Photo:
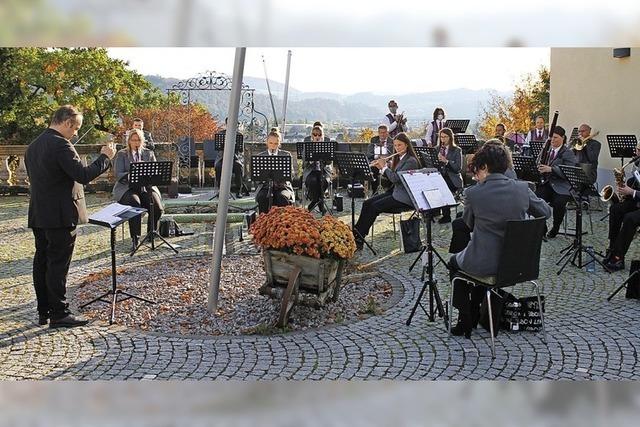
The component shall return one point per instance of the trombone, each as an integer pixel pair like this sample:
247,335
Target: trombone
578,143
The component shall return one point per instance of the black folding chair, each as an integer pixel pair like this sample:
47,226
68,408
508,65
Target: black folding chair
519,263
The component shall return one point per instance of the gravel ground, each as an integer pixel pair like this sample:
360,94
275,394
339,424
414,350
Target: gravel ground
181,288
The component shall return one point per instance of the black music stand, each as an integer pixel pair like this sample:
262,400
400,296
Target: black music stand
145,175
580,184
457,125
270,169
416,191
429,156
356,166
467,142
219,138
536,148
116,218
574,134
300,149
320,151
526,168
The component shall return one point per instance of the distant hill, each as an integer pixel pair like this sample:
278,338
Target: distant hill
361,108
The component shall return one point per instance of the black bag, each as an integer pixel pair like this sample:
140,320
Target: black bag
524,312
410,229
499,298
633,286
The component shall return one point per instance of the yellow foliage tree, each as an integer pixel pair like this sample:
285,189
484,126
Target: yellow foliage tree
366,134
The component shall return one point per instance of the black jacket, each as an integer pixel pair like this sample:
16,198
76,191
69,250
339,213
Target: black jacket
56,175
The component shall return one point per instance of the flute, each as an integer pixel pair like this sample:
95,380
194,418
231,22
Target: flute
386,159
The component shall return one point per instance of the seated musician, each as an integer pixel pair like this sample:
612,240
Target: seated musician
317,175
238,167
283,194
500,132
317,124
555,187
495,200
380,146
395,199
624,218
450,160
587,151
137,196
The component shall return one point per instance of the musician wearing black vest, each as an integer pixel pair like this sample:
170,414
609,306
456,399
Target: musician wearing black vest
56,207
555,188
434,127
396,122
282,192
538,133
380,146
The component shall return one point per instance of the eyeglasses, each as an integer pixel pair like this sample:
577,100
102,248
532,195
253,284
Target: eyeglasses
316,134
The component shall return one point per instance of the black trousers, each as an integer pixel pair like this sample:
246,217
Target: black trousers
466,297
446,211
142,199
236,179
460,236
374,206
375,172
54,249
557,201
281,197
624,219
316,184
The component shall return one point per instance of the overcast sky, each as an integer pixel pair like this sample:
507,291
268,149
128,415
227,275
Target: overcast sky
351,70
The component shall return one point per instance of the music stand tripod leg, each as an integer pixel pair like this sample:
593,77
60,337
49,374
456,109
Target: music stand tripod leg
623,285
353,220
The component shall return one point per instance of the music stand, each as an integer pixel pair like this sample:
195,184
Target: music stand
421,185
145,175
526,168
429,156
300,149
320,151
536,148
457,125
111,217
356,166
579,183
219,138
574,134
467,142
270,169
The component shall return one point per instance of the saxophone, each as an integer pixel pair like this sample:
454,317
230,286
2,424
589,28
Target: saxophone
608,194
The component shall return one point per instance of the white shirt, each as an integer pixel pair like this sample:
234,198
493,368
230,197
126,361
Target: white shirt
535,132
391,126
429,132
379,151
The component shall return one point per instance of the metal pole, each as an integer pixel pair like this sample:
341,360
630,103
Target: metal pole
286,95
225,182
273,107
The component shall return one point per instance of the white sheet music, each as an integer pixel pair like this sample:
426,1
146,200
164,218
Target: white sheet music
110,213
433,184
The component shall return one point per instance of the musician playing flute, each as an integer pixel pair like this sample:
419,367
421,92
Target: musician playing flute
555,188
394,200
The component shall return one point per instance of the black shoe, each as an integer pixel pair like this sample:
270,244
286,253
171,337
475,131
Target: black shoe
461,329
615,264
552,233
607,256
444,219
69,321
43,319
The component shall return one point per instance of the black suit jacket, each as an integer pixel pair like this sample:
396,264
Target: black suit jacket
588,158
375,142
56,175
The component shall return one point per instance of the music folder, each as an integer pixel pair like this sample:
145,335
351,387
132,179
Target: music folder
115,214
427,189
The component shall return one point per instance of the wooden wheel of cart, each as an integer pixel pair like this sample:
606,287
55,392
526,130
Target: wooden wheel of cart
289,297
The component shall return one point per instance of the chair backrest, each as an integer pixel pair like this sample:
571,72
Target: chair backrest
520,258
209,149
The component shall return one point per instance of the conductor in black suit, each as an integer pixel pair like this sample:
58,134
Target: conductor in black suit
56,207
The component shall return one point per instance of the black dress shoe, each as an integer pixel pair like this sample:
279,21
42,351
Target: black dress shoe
69,321
461,329
615,264
552,233
43,319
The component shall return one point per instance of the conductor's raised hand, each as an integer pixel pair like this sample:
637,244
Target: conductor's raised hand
108,150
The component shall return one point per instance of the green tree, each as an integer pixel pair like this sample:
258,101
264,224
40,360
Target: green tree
39,80
530,98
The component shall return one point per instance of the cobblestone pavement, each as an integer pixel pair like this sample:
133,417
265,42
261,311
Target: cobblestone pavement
588,337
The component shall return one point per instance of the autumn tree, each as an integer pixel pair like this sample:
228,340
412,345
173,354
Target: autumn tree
366,134
530,98
38,80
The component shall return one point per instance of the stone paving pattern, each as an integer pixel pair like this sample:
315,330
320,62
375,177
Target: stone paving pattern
588,337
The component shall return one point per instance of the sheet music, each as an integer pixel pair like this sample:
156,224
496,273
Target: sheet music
110,214
417,183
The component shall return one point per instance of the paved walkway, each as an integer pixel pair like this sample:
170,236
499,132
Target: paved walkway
588,337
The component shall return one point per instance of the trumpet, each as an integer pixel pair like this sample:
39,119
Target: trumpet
386,159
578,144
